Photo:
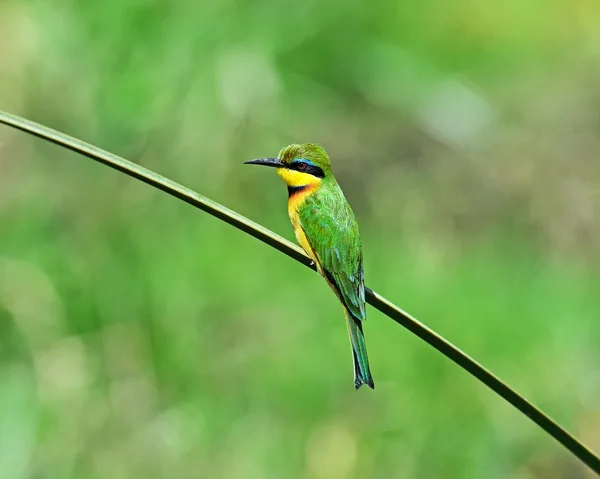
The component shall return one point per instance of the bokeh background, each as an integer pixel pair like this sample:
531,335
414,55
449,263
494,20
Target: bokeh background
140,337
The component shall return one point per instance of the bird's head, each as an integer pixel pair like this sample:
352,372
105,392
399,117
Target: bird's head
299,165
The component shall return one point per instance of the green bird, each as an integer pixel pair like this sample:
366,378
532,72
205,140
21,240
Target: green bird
326,229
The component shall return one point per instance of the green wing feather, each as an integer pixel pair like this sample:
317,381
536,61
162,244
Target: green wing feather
332,230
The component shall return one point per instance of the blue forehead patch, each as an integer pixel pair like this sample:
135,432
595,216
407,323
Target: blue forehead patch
304,160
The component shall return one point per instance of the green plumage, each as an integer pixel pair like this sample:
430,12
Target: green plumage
332,231
326,228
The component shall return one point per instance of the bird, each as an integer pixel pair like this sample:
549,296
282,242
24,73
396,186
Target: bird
327,230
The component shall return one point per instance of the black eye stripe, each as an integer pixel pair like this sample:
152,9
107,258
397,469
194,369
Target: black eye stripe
299,166
306,168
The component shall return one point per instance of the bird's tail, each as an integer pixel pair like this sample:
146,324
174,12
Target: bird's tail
362,372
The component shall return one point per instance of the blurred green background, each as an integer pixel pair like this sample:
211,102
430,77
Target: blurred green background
140,337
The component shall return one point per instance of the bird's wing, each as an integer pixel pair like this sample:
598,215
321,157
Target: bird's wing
332,231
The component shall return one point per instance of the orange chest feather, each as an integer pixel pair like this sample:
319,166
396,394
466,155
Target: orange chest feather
297,199
294,202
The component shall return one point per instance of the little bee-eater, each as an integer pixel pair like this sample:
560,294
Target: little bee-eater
327,230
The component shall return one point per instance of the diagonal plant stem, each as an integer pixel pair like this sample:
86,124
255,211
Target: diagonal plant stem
288,248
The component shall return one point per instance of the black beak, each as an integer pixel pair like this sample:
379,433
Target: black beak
274,162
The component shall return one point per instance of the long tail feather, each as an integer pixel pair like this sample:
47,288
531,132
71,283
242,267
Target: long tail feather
362,372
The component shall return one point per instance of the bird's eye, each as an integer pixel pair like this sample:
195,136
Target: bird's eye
302,166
